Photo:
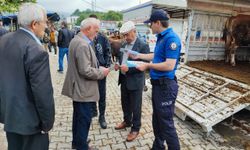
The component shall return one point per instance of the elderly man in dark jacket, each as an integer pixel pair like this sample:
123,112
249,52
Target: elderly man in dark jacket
131,81
26,94
103,55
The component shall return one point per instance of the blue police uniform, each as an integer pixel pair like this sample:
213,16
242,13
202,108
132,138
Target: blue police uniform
164,91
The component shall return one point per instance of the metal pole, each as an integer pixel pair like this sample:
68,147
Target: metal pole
190,23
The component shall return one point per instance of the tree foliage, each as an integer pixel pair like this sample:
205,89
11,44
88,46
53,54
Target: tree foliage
12,5
110,15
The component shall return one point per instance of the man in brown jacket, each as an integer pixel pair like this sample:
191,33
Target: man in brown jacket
81,82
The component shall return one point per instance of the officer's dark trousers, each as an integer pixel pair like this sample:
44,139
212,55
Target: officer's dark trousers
81,124
102,100
163,101
131,106
27,142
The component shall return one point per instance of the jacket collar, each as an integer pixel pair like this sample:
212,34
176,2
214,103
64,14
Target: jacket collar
85,38
30,34
136,42
165,32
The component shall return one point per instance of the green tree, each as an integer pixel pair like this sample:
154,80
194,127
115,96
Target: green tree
80,19
112,15
12,5
77,12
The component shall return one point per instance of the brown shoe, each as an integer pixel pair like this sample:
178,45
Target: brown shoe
132,135
122,125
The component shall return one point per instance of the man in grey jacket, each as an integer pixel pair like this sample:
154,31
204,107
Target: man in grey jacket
81,82
26,94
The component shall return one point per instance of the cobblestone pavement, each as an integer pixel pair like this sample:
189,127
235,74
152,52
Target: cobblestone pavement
190,134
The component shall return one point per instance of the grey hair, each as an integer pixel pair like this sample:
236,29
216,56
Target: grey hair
89,22
29,12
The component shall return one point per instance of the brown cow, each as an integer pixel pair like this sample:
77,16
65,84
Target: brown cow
115,42
235,34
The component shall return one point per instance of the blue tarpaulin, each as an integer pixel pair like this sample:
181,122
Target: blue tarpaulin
52,16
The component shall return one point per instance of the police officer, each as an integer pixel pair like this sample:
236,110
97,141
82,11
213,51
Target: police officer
163,80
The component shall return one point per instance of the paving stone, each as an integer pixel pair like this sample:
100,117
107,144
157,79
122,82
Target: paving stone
66,134
96,143
146,147
106,147
100,136
132,144
58,139
189,132
108,141
145,142
119,146
197,147
64,146
108,130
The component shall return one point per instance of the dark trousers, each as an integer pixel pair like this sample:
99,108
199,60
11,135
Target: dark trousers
131,107
81,124
54,46
62,52
27,142
163,101
102,100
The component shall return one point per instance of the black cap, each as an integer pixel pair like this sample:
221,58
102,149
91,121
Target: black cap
158,14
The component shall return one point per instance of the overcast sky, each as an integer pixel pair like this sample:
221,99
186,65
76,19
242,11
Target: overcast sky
69,6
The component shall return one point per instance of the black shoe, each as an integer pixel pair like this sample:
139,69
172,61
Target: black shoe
103,123
73,146
59,70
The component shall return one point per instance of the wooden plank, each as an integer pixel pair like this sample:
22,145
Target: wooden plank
211,104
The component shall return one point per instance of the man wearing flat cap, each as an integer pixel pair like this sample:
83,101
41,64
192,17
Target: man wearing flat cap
164,83
132,82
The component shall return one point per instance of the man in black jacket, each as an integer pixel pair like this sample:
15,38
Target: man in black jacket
103,55
132,82
64,38
26,94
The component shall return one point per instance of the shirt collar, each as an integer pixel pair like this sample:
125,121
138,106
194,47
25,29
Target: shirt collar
32,34
133,42
164,32
87,39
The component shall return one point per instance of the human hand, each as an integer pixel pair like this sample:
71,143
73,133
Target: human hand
142,66
116,67
124,68
105,70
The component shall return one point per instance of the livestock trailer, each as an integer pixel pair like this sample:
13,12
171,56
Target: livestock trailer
205,97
